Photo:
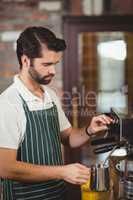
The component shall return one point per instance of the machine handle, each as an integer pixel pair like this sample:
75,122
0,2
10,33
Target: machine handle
103,140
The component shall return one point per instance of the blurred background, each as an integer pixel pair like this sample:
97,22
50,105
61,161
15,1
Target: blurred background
96,71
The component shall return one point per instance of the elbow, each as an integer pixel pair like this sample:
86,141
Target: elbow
3,173
72,144
6,172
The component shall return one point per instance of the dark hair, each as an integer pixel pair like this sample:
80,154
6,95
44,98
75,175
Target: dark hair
32,39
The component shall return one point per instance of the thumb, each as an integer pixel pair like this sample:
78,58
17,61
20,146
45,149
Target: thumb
102,128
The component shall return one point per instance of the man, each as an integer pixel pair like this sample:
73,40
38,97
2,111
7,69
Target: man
33,125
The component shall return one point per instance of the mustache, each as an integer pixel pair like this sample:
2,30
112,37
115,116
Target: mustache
48,76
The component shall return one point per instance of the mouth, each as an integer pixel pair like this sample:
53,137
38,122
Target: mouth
48,77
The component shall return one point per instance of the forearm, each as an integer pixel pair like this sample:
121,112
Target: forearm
78,137
25,172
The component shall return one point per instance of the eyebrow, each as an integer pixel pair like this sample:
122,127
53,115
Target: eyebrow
50,63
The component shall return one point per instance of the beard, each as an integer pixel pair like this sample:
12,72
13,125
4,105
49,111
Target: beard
44,80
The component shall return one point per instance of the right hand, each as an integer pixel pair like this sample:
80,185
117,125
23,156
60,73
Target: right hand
76,173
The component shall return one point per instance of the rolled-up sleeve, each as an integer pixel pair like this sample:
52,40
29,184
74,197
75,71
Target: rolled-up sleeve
63,121
9,128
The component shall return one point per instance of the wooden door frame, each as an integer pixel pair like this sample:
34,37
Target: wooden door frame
72,26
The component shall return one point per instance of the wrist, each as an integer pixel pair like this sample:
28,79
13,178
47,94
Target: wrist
89,132
60,172
55,172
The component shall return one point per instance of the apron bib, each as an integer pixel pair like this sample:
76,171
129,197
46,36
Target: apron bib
41,145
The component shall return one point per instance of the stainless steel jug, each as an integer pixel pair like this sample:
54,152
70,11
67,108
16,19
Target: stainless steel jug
100,180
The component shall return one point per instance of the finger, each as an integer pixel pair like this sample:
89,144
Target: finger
110,119
106,119
82,166
103,119
84,176
81,181
73,182
85,172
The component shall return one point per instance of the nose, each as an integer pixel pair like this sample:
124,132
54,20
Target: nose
51,69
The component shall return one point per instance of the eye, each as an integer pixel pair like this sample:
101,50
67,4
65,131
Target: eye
47,64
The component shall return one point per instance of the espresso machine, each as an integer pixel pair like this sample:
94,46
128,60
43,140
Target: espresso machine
118,141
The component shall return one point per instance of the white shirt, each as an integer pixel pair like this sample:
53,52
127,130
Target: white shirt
12,114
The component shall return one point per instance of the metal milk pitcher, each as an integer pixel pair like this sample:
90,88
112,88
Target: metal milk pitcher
100,180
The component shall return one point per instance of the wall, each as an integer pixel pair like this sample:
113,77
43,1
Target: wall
17,15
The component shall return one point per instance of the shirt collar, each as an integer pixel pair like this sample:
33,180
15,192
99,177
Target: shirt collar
24,91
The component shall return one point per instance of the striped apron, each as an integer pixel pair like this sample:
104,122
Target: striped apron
41,146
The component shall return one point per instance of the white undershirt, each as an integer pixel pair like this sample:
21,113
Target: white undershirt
12,115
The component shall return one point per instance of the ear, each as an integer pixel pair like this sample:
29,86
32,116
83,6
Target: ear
25,61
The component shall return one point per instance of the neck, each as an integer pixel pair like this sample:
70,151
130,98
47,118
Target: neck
33,86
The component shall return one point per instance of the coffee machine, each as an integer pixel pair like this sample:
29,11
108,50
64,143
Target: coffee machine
118,141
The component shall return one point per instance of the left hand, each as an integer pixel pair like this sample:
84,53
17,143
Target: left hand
99,123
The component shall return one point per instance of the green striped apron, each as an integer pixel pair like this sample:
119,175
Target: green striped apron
42,146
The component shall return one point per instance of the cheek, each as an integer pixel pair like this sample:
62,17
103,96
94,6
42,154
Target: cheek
40,69
43,72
